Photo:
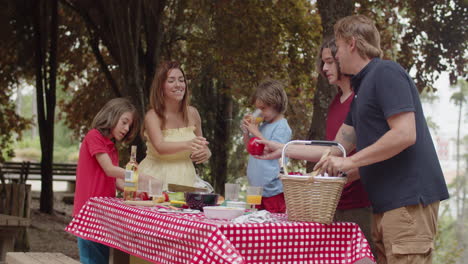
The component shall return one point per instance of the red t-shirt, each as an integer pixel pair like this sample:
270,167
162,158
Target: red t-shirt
91,180
354,195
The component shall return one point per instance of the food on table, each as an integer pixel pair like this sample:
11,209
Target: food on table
131,177
196,200
158,199
177,204
178,196
295,173
143,196
255,148
166,197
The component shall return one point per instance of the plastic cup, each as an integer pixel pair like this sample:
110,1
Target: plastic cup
254,195
155,187
231,191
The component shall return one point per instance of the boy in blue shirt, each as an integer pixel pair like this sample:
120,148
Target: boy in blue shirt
272,100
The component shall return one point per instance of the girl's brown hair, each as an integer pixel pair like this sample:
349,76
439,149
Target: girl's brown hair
328,43
271,92
364,32
157,92
108,117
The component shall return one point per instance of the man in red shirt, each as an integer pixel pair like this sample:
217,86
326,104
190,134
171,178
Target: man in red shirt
354,205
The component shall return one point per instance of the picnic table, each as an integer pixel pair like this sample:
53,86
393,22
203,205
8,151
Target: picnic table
191,238
9,227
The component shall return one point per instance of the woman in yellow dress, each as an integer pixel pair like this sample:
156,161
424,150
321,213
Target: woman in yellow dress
173,130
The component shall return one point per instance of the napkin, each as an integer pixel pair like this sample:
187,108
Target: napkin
262,216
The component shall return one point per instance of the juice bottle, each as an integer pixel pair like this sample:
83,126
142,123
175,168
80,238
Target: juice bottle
131,176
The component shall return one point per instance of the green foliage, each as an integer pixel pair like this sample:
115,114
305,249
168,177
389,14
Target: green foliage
448,248
424,36
64,151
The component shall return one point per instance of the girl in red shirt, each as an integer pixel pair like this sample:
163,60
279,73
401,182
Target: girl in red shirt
98,172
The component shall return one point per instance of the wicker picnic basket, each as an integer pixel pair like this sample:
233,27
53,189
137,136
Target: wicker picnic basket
311,198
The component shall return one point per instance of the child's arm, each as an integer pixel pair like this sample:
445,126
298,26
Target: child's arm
120,184
110,169
153,129
115,171
251,127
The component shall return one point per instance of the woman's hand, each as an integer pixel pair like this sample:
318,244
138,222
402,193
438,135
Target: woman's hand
197,143
271,151
200,150
201,155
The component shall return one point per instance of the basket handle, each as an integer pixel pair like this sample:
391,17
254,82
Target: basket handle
308,142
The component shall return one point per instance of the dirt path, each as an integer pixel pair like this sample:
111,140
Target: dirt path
47,234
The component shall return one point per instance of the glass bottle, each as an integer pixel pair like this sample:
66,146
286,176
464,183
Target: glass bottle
131,176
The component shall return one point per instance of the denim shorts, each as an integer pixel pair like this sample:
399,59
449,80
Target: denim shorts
93,252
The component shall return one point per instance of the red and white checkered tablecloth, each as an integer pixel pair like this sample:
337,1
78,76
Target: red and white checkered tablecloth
192,238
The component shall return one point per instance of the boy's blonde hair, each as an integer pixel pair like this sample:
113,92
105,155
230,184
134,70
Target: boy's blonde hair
271,92
108,117
364,32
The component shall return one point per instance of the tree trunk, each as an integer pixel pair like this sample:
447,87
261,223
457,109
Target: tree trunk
330,12
46,69
221,141
214,102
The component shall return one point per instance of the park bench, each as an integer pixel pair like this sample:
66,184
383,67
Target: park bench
22,171
38,257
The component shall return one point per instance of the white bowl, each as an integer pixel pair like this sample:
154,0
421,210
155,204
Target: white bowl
237,204
222,212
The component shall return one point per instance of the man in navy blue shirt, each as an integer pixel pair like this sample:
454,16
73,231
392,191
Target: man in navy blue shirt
395,155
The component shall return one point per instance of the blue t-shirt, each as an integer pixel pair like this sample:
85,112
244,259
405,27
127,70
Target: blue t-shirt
265,172
383,89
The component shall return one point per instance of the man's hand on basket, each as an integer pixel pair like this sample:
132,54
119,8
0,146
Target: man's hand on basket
271,151
334,166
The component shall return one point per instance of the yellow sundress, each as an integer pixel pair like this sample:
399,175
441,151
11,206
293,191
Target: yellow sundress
174,168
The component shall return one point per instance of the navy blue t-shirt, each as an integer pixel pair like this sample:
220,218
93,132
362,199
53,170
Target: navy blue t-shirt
383,88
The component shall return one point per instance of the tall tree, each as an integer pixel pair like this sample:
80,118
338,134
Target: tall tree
45,27
330,12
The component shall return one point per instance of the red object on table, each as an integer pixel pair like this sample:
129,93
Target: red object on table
192,238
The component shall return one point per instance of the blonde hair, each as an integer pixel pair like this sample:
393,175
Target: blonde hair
109,115
157,102
364,32
271,92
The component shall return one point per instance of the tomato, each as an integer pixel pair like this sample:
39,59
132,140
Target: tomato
143,196
255,148
295,173
166,197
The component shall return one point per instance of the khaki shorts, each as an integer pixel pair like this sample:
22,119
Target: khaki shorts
406,234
